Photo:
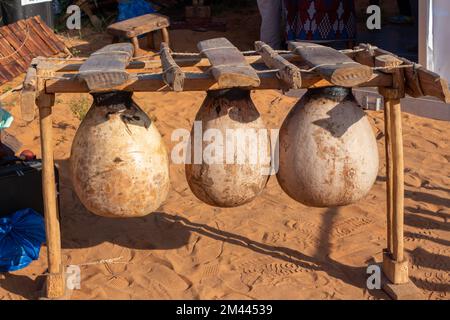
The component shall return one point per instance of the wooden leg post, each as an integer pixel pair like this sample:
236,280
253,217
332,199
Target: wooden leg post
389,172
55,284
135,42
165,36
395,264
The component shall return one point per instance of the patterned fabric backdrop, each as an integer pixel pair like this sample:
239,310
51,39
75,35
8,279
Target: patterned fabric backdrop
320,20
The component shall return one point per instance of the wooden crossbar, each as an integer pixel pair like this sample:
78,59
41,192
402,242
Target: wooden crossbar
155,82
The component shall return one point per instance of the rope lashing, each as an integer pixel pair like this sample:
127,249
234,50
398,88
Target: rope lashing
414,65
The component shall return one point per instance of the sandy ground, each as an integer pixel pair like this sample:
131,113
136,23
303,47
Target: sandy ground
272,248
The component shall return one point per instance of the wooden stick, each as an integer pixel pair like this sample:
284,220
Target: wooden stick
165,36
398,181
173,76
135,42
28,95
397,91
201,82
389,172
395,265
287,72
55,285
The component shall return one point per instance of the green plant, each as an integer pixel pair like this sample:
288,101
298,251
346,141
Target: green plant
6,89
75,52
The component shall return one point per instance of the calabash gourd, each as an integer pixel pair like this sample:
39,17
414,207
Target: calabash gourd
328,151
237,177
119,164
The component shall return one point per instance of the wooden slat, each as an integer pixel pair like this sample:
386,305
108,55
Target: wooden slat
17,46
333,65
287,72
39,32
419,82
21,35
172,74
140,25
31,42
7,58
4,74
44,49
22,41
51,36
105,68
229,66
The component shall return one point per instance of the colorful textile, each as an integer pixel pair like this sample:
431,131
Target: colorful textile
320,20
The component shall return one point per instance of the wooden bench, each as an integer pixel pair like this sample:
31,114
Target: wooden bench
147,24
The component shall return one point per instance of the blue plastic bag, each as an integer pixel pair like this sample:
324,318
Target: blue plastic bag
21,236
133,8
5,119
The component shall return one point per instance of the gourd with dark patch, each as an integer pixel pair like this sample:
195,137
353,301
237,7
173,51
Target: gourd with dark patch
228,184
119,164
328,151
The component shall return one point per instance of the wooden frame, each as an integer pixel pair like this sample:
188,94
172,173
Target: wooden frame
392,75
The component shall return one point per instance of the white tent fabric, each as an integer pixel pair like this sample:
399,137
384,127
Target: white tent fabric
438,37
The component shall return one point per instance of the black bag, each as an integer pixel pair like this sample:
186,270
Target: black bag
13,10
21,185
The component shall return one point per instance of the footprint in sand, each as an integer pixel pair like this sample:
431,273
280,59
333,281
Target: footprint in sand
118,283
236,296
168,278
210,270
267,271
232,279
413,179
156,290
